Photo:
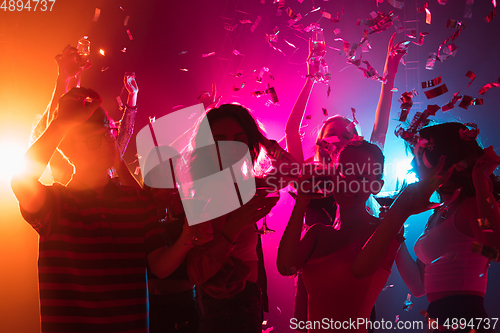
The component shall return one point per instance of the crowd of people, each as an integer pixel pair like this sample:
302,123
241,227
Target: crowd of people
118,254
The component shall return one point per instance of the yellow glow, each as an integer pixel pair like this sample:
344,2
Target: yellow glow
101,51
12,159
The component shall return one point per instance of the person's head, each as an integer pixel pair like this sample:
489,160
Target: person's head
446,140
361,167
228,122
92,145
336,126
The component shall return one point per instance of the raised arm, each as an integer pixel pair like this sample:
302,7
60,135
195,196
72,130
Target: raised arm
292,128
126,127
72,111
381,123
413,200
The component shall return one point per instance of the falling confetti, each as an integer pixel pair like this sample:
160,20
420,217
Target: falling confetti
431,83
101,52
255,24
471,76
408,304
184,69
97,13
129,35
204,55
125,21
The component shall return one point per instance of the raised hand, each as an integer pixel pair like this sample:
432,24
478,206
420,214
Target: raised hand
313,59
70,64
130,83
415,197
394,55
208,99
77,105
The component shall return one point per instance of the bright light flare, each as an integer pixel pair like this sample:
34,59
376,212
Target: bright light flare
101,51
12,160
402,173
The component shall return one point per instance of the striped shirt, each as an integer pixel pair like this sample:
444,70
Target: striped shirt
92,258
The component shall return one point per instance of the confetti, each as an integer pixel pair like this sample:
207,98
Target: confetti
428,16
184,69
442,2
124,50
97,13
260,76
101,52
183,52
255,24
245,21
379,22
294,18
354,120
397,318
177,107
468,101
491,15
468,8
336,31
237,53
431,60
328,91
447,256
370,72
396,4
438,91
119,101
421,36
488,86
279,310
325,112
129,35
408,304
471,76
431,83
238,74
394,89
237,89
308,116
267,330
104,69
406,101
422,9
204,55
387,287
137,170
125,21
489,252
290,44
455,24
451,104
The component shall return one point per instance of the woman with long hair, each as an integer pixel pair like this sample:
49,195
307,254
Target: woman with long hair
229,270
328,257
340,130
447,270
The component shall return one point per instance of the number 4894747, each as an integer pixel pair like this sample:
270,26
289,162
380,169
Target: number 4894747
20,5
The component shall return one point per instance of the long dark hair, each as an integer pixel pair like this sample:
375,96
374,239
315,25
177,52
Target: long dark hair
253,129
447,139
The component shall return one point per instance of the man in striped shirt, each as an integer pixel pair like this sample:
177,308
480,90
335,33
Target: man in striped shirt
96,237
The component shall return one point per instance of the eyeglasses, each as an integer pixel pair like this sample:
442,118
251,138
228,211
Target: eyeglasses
94,141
